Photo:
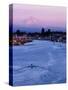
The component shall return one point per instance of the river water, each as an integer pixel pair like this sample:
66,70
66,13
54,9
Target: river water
39,62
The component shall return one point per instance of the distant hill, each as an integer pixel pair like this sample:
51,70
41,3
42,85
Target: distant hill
38,29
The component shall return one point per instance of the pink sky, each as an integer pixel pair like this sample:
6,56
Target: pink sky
33,15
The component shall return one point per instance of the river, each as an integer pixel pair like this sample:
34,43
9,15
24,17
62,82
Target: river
39,62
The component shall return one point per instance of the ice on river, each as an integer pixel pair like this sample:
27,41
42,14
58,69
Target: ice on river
39,62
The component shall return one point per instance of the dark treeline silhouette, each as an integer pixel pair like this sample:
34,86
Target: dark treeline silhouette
43,35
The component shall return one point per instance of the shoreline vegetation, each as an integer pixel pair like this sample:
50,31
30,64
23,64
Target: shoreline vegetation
19,38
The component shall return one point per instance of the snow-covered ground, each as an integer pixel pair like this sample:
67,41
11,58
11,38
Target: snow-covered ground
39,62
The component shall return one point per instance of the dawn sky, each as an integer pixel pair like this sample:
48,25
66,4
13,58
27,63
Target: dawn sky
38,16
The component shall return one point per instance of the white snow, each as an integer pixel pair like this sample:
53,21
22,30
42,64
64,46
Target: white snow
48,61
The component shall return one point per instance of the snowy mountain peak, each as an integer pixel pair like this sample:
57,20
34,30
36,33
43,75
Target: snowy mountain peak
31,21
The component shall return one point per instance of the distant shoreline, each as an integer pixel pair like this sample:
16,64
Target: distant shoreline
19,38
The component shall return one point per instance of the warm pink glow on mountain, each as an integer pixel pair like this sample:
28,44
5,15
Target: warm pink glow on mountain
30,21
33,15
